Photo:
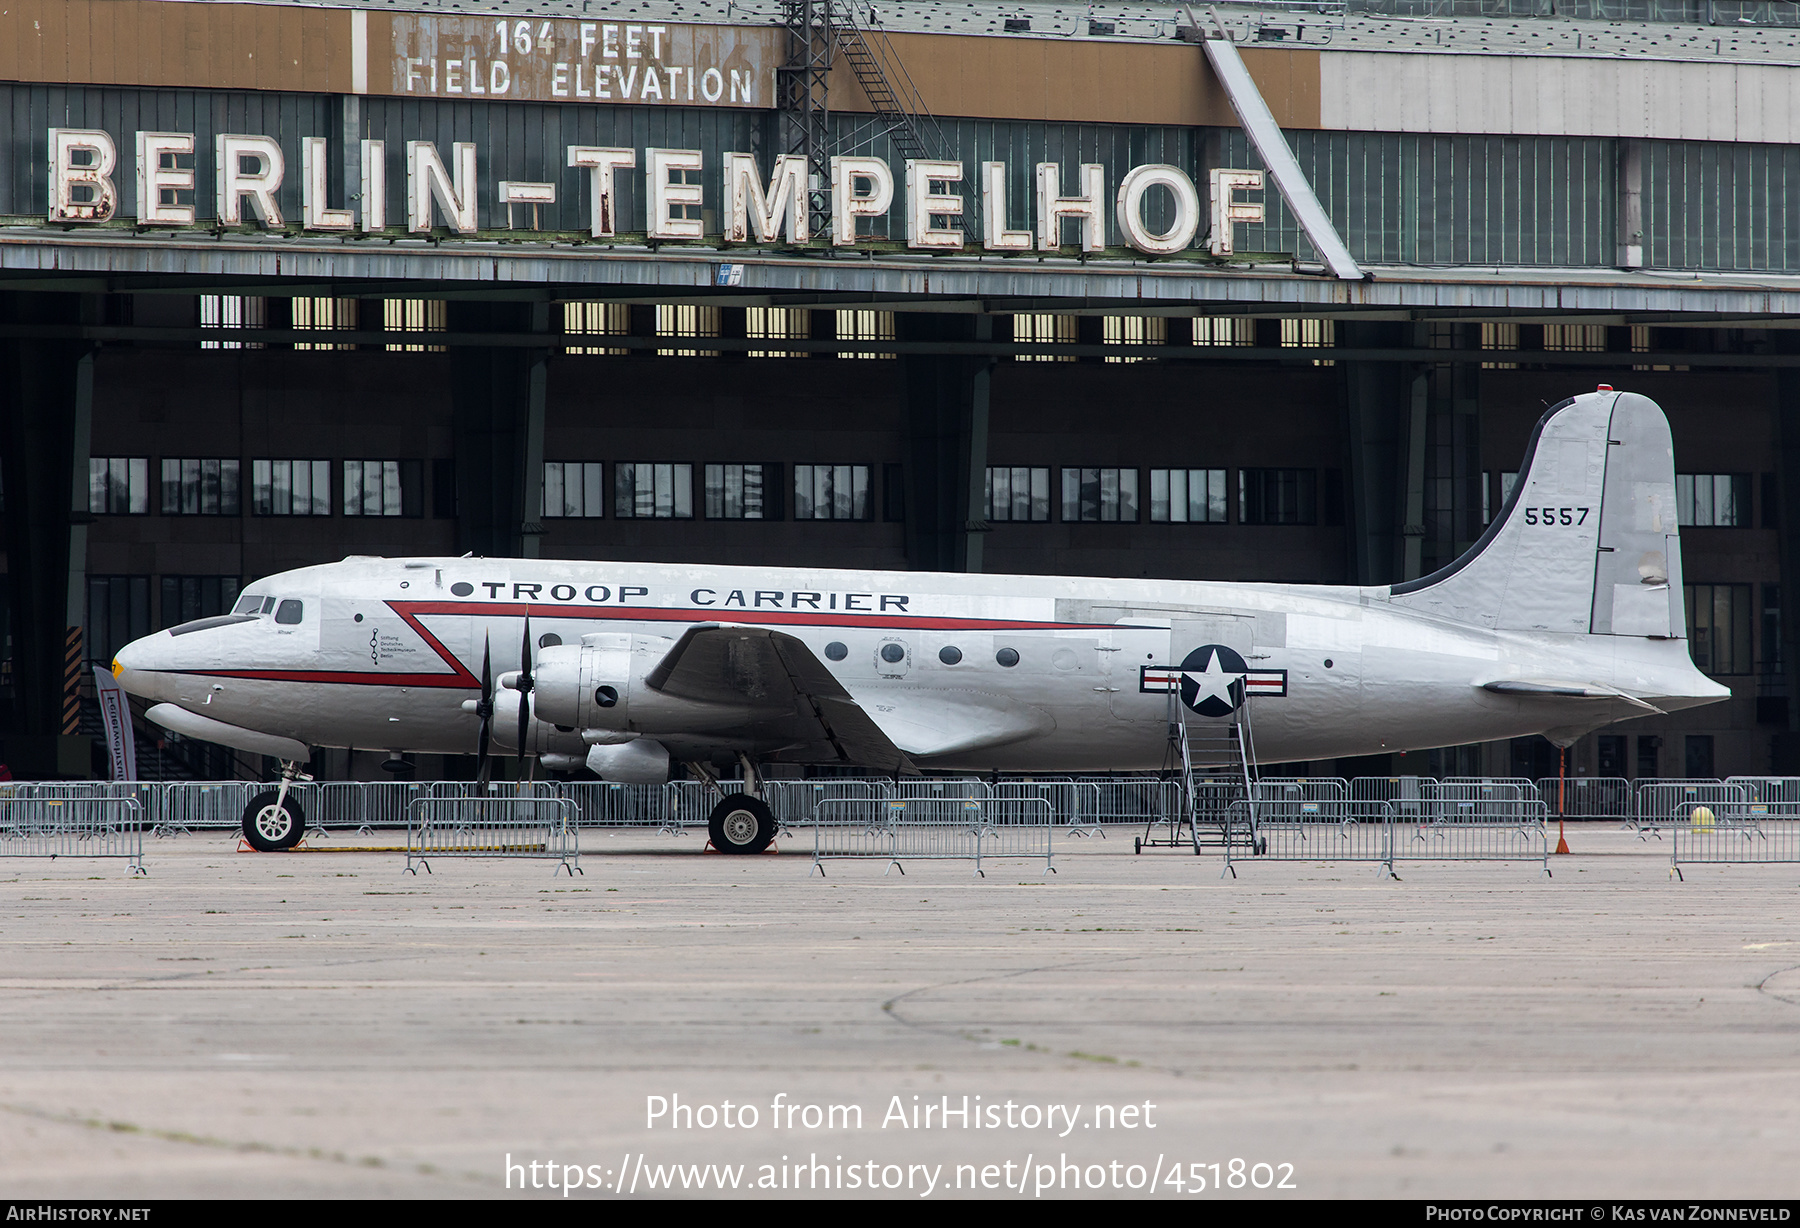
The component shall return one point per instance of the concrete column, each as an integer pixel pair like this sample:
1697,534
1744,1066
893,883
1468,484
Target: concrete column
498,398
42,407
1376,421
947,429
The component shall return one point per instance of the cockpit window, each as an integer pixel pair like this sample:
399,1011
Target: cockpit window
268,604
288,612
247,605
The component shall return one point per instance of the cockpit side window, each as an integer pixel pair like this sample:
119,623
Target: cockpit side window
288,612
268,604
247,605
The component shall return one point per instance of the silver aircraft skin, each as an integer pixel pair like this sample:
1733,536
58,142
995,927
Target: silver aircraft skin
1565,617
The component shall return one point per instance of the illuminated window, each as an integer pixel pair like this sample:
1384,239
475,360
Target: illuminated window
832,492
572,490
1019,493
415,315
596,319
200,487
865,326
233,311
324,313
1310,334
1585,338
384,488
1224,330
1713,500
1042,328
290,487
1103,496
675,320
649,491
1500,337
1133,330
1188,496
777,324
119,485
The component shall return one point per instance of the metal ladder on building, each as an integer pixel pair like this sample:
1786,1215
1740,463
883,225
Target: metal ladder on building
1214,763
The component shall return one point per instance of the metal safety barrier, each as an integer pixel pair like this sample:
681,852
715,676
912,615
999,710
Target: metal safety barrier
1663,804
44,823
1348,829
1751,838
1320,828
902,829
524,826
1588,797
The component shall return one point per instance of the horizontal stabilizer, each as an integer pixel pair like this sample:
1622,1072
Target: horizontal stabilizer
1566,690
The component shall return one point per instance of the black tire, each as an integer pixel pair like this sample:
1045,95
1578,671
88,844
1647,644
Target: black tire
741,824
270,828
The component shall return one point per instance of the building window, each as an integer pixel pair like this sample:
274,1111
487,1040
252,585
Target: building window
324,313
1133,330
1277,496
415,315
199,487
1500,337
1188,496
119,485
596,319
290,487
865,326
777,324
1224,330
232,311
1715,500
118,611
1718,619
1310,334
1019,493
653,491
1099,496
675,320
1581,338
384,488
572,490
185,598
1044,329
1496,489
832,492
742,492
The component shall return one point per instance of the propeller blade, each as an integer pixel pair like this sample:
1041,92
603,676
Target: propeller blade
524,693
485,710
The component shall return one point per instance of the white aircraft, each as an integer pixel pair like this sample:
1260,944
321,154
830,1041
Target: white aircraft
1567,615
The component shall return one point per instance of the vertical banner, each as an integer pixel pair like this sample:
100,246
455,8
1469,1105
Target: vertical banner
115,711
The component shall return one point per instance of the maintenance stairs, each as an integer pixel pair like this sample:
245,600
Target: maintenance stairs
1214,763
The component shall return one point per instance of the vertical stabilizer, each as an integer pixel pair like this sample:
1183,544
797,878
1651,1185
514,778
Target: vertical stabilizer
1586,542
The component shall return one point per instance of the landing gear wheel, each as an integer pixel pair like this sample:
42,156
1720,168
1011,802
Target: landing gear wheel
273,828
741,824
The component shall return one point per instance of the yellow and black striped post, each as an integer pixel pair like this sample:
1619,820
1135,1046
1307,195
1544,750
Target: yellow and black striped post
71,709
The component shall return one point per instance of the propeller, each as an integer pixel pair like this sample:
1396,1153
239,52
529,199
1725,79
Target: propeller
484,708
524,688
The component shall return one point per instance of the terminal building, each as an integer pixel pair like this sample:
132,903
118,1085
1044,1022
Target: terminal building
1267,292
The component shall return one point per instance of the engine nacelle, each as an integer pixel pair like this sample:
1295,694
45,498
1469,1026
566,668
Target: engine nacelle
642,762
592,685
541,737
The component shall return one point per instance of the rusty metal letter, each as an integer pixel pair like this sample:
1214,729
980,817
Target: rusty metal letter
94,178
603,209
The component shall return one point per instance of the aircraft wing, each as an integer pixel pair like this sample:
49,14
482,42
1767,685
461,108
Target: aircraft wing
717,663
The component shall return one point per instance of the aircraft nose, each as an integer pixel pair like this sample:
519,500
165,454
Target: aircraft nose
135,667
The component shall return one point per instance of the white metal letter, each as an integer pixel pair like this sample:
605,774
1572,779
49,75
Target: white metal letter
1131,202
1226,212
847,204
1089,208
995,237
66,178
663,195
153,179
603,210
374,185
922,203
426,178
313,211
748,207
234,183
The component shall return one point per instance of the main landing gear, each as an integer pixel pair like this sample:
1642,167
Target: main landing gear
742,822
